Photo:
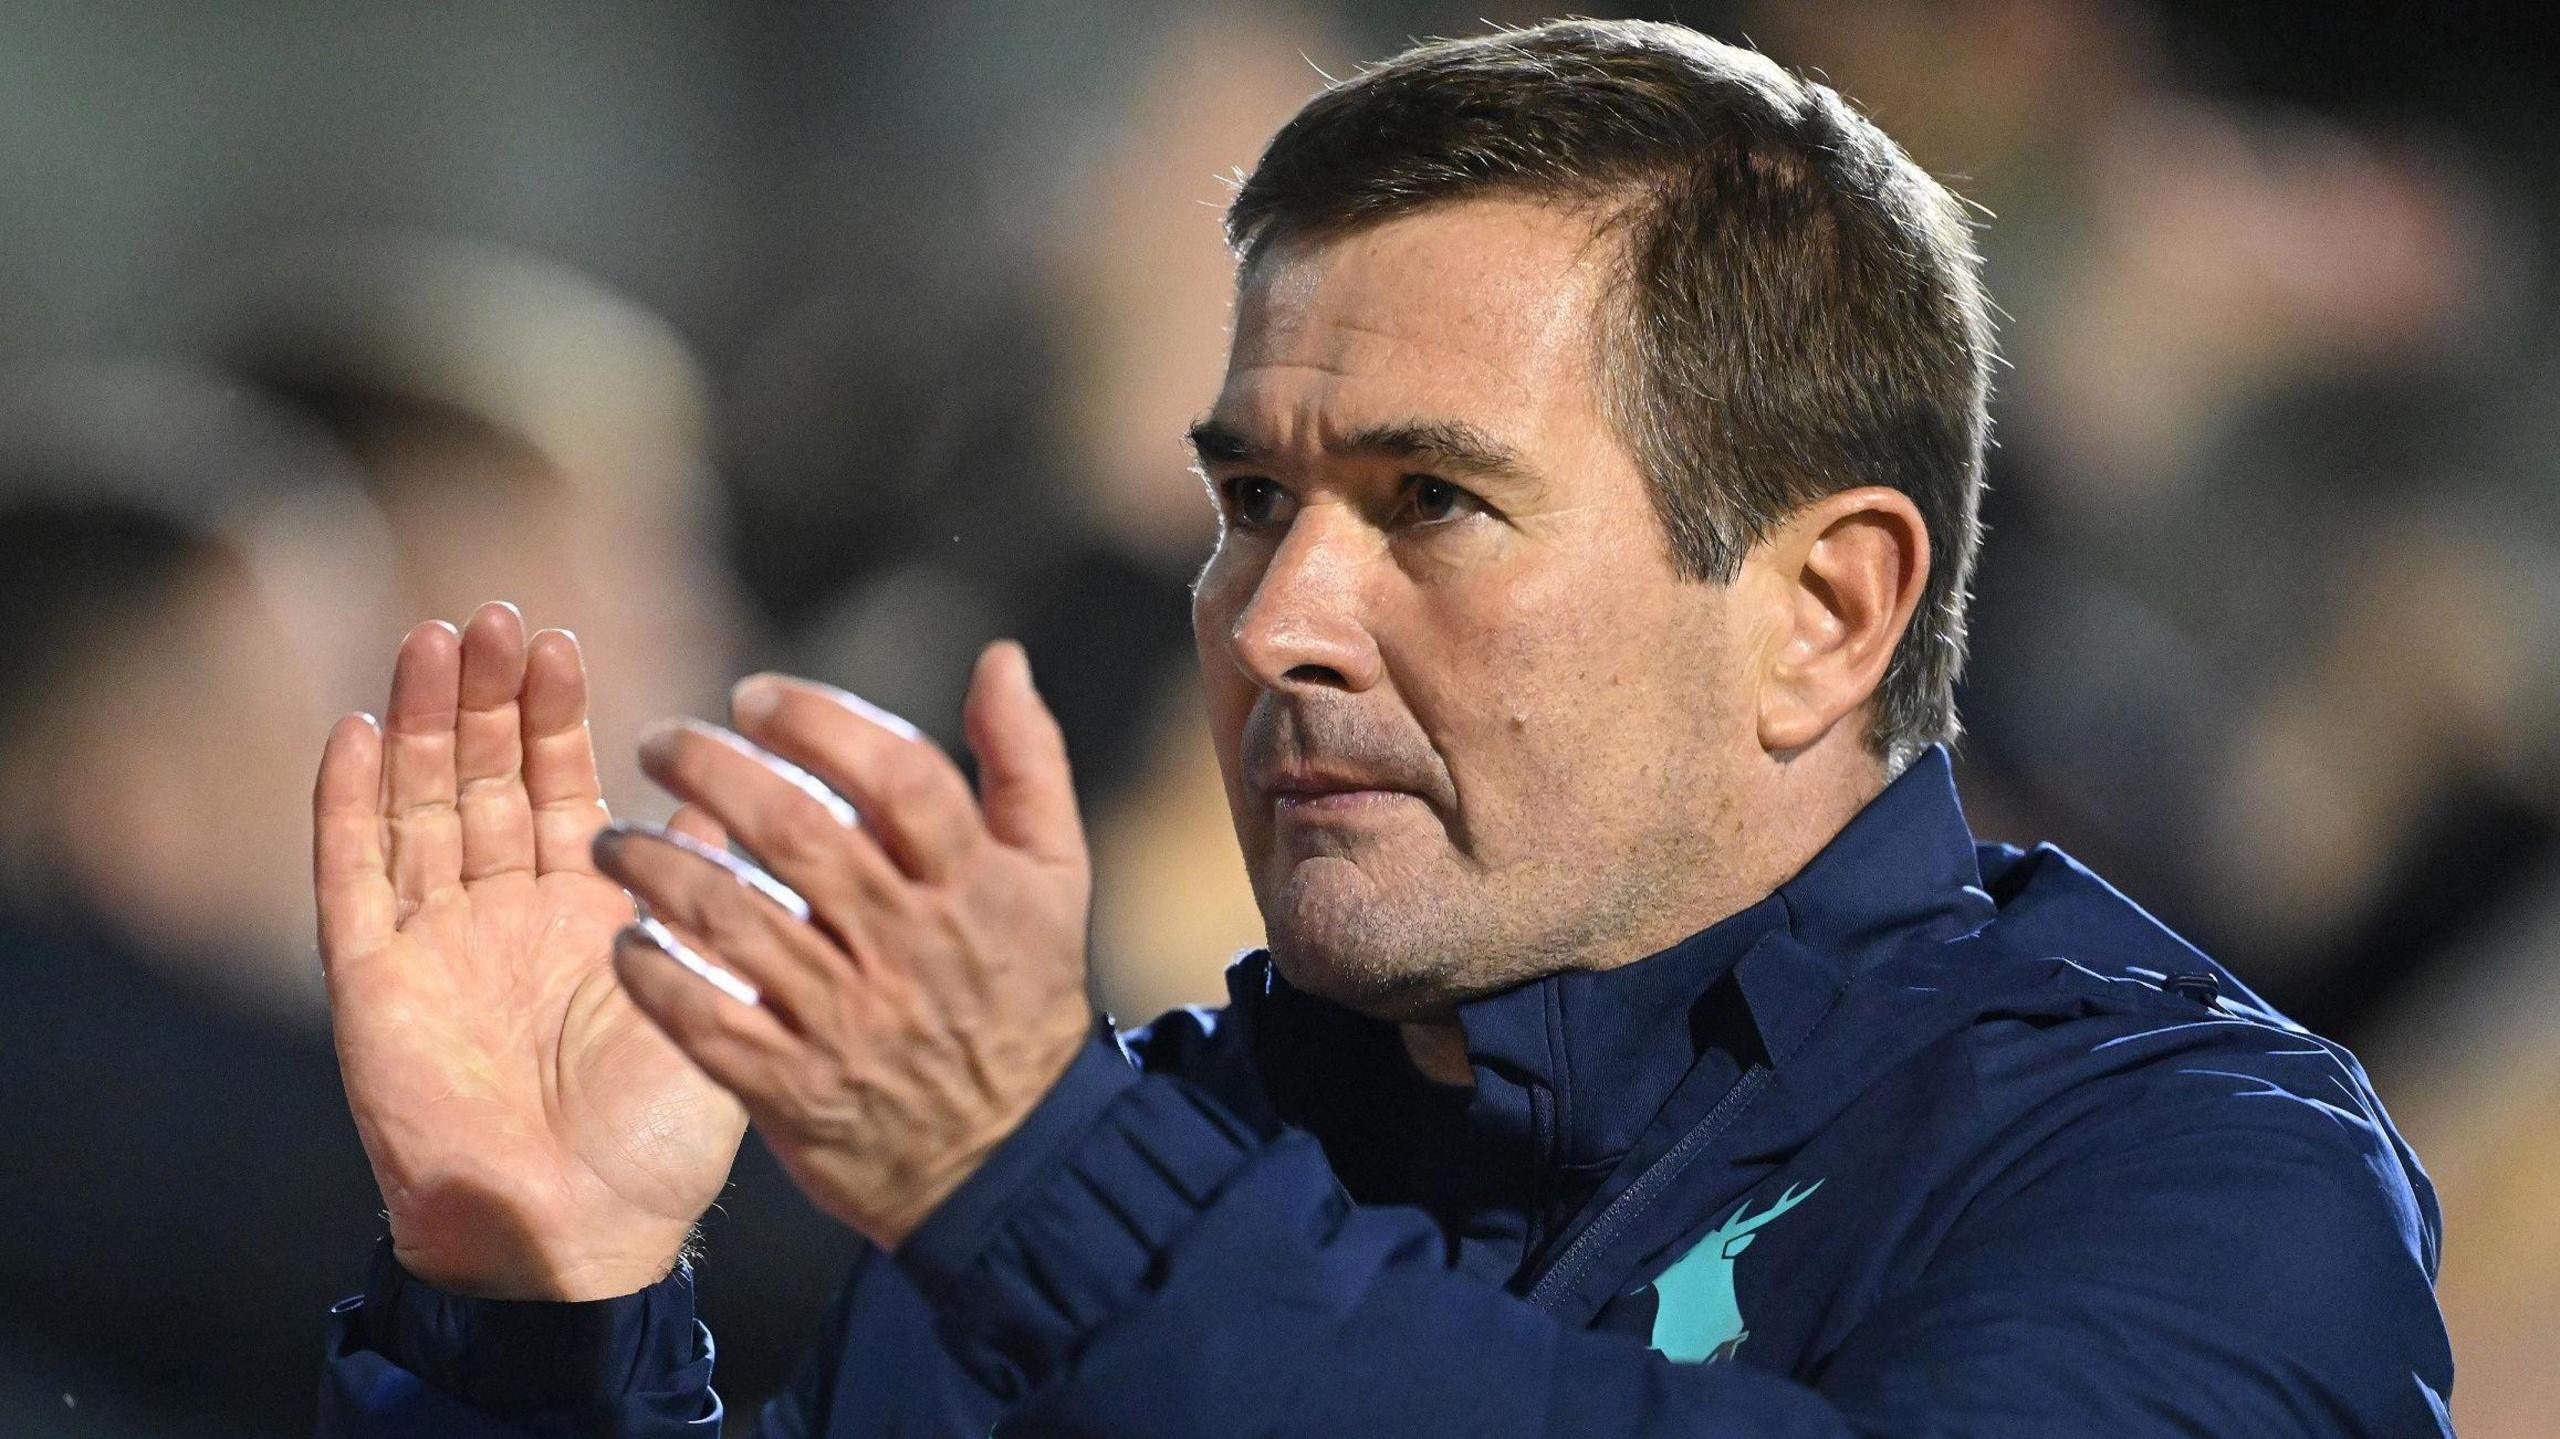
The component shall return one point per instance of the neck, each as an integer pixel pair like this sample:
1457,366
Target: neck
1798,807
1438,1049
1766,824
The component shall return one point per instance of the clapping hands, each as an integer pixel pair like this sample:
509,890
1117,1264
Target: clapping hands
917,973
549,1094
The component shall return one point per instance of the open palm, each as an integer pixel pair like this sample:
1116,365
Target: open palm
534,1135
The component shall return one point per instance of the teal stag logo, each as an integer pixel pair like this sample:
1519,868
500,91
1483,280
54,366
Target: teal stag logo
1697,1319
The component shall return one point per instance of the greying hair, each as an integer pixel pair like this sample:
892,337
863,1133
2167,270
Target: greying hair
1799,309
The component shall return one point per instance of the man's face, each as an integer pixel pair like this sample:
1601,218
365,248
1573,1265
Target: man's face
1473,724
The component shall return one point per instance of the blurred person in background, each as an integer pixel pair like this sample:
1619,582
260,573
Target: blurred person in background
2261,354
525,430
188,573
2474,1054
985,439
2475,1070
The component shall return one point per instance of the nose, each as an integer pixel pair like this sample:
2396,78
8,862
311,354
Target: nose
1305,623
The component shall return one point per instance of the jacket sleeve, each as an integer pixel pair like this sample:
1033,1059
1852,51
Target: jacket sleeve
406,1359
1174,1273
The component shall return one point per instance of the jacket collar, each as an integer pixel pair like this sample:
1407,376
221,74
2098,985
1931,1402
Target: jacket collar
1572,1069
1610,1045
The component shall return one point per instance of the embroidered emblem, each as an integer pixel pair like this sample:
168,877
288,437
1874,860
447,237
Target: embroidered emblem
1697,1319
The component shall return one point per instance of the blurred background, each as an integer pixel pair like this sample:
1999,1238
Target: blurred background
842,338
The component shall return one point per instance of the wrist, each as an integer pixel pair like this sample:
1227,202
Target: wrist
1094,1075
492,1264
963,1163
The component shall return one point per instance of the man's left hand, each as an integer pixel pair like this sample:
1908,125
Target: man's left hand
915,985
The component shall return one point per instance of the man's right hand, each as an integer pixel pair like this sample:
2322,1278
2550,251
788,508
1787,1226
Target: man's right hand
534,1135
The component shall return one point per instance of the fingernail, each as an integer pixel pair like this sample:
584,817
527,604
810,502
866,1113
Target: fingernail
658,738
754,699
606,847
892,723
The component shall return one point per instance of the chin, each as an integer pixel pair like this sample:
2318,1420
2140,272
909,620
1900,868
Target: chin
1335,936
1358,984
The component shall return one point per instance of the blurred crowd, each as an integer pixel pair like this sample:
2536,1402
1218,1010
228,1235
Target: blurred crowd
843,339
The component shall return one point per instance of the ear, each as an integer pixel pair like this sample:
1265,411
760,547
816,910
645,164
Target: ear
1842,577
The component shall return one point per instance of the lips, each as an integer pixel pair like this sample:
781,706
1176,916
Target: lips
1317,784
1312,759
1310,794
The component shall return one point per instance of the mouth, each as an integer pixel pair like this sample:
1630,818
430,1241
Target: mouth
1311,794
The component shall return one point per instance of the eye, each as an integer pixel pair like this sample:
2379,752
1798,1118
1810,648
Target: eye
1251,500
1430,500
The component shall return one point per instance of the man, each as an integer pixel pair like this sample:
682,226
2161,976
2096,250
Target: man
159,524
1643,1047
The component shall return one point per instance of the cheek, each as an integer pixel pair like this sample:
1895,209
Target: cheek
1493,677
1561,706
1524,656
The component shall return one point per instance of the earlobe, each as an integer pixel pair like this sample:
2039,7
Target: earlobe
1848,572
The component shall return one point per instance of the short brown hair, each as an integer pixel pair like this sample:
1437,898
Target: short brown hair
1800,311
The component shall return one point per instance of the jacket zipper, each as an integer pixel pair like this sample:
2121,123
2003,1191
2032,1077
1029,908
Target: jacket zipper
1542,1189
1566,1273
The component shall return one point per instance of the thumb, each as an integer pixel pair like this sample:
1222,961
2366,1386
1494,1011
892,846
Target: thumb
1023,782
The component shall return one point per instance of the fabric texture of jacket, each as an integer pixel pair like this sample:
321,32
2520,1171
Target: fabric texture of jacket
1937,1139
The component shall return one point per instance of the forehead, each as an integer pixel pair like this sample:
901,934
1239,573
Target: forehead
1481,310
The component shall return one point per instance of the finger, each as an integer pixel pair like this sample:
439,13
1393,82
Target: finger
748,924
910,795
349,876
497,818
696,824
560,755
799,831
426,830
1024,785
733,1039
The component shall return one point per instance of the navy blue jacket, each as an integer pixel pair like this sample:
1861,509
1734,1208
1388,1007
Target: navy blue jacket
1936,1139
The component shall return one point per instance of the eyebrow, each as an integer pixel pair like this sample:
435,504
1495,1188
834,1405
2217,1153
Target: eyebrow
1453,445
